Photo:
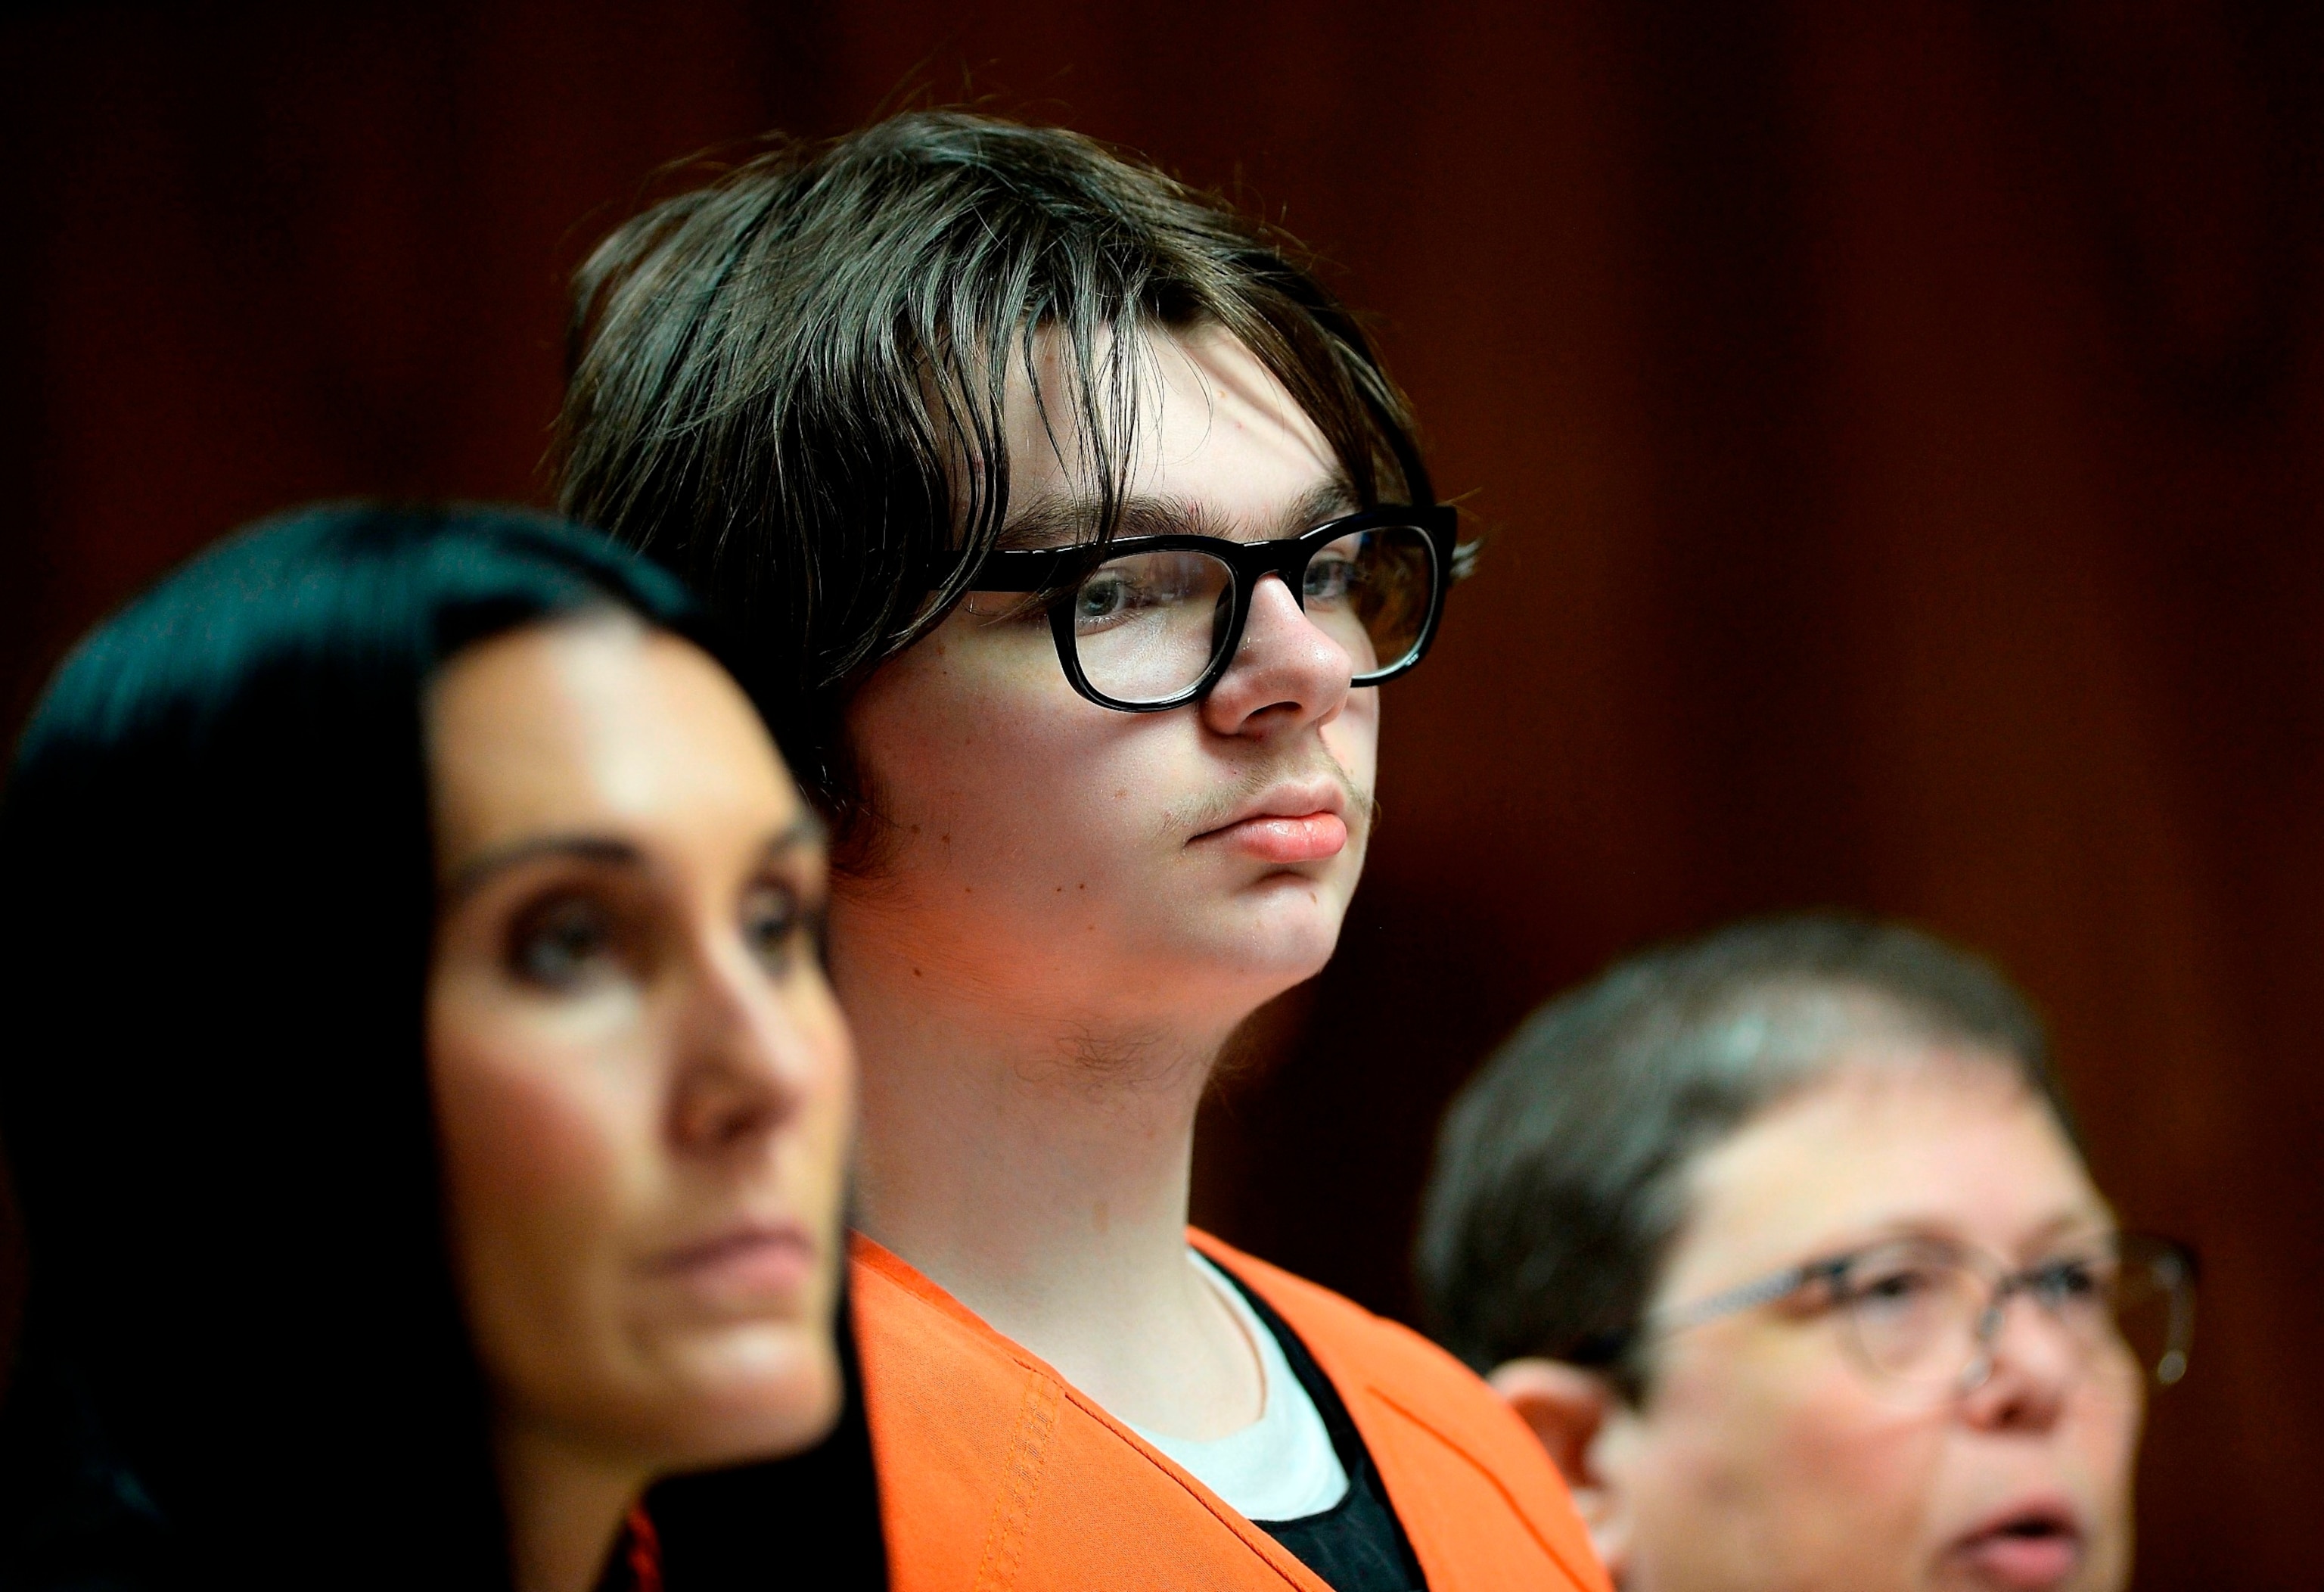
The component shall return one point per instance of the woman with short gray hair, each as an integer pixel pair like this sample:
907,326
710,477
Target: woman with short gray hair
1782,1241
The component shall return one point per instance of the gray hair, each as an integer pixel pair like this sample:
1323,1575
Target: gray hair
1560,1178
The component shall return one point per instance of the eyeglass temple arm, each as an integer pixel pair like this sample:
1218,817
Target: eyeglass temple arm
1605,1348
1768,1290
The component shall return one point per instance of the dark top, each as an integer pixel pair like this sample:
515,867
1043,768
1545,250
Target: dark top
1357,1545
73,1517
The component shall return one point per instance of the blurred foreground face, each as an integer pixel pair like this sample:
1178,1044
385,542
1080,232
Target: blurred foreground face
643,1082
1766,1456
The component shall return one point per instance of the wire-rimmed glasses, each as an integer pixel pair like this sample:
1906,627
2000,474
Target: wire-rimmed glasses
1928,1315
1145,624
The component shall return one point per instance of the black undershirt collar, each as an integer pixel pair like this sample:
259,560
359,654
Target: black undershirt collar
1357,1545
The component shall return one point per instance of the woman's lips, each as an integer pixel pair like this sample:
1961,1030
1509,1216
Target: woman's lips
2032,1553
750,1264
1275,838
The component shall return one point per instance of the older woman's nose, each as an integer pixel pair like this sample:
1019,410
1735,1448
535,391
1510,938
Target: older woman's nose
2030,1361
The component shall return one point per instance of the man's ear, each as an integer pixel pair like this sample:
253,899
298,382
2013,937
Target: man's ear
1569,1410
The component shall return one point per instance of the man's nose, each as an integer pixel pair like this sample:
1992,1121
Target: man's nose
1287,673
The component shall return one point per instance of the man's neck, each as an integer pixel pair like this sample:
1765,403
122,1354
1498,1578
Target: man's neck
1036,1167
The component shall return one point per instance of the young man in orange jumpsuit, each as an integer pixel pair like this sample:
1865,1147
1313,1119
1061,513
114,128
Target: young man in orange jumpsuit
1075,528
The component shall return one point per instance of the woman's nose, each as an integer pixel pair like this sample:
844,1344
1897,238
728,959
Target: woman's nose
738,1070
2027,1361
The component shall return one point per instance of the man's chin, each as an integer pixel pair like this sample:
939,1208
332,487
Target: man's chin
1211,952
1285,928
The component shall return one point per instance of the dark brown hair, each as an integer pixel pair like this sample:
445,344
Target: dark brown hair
787,385
1561,1171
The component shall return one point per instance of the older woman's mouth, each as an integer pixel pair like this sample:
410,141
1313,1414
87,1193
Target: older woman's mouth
2027,1548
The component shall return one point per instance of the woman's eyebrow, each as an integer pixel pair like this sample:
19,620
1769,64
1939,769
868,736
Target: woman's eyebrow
598,850
1937,1227
803,832
605,851
2086,1223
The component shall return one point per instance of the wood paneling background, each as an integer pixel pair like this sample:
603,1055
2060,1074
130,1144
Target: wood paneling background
1899,428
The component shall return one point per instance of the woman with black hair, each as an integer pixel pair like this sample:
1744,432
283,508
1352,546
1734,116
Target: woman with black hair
425,1102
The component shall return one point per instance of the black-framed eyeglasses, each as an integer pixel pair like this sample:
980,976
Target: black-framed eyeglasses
1145,624
1928,1315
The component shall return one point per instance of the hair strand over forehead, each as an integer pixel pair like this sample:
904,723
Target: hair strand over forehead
788,383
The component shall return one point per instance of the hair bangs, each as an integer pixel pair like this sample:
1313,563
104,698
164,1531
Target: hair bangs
791,385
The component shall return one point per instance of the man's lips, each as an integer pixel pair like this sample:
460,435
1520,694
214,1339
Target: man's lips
1307,838
2027,1548
1294,822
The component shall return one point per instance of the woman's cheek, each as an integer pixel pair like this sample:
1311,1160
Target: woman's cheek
1786,1455
533,1173
1866,1473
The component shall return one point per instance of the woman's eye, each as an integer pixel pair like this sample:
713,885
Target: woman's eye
562,944
1895,1285
2064,1282
1889,1288
777,926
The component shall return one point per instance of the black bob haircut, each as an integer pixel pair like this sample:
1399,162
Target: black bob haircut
787,385
1560,1179
243,1361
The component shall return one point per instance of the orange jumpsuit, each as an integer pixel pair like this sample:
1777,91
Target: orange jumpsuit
996,1475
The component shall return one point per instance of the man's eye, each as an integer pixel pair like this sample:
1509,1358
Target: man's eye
562,944
1331,579
1100,597
778,926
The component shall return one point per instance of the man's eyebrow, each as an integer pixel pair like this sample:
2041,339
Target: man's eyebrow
1061,521
1056,521
1326,500
1064,520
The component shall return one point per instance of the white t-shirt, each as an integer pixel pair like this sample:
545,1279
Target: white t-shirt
1282,1466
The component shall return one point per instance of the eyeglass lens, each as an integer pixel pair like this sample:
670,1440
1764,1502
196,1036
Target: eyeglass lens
1918,1315
1147,627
